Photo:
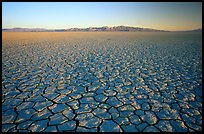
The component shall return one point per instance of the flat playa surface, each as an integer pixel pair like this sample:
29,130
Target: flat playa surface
101,81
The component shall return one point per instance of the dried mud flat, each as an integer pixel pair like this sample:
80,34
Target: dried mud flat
101,82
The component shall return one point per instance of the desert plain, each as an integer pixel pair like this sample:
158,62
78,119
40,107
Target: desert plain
101,82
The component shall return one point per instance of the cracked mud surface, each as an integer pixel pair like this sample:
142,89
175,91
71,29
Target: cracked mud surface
101,82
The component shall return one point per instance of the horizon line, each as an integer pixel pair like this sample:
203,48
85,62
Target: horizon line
199,28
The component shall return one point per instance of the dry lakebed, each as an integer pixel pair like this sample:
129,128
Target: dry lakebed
101,82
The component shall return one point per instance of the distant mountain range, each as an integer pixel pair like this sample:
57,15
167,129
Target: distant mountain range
105,28
195,30
116,28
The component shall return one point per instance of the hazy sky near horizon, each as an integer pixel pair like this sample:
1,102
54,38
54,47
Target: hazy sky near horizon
55,15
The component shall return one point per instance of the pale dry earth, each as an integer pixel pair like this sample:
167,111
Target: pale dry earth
101,82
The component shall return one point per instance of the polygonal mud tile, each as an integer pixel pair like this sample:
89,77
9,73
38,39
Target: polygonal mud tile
101,89
63,91
37,98
136,105
82,129
7,107
122,121
51,129
50,90
165,126
100,98
129,128
6,127
68,113
174,114
124,100
70,125
114,113
126,108
126,114
101,113
141,126
58,107
190,121
21,130
196,104
175,106
113,101
163,114
25,105
44,114
24,125
190,111
62,99
39,106
145,106
134,119
94,104
109,92
149,117
10,86
57,119
51,96
110,126
8,116
23,95
74,104
12,94
13,130
93,122
25,115
179,126
38,126
93,88
37,91
75,95
12,102
83,109
80,89
86,100
84,116
151,129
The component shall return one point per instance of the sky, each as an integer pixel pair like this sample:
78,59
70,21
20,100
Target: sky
59,15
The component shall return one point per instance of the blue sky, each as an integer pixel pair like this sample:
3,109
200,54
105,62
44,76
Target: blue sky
54,15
